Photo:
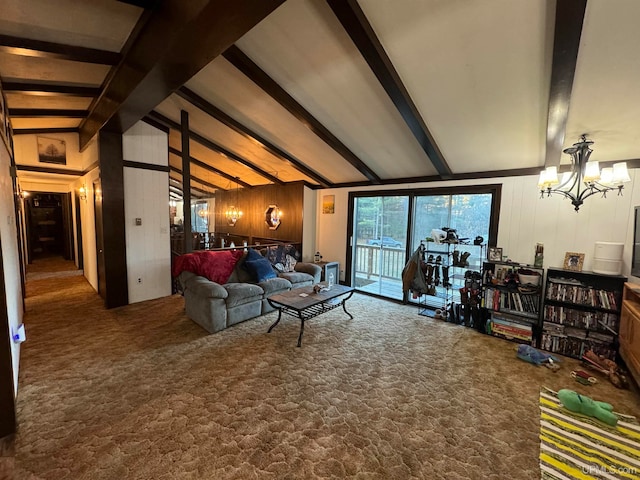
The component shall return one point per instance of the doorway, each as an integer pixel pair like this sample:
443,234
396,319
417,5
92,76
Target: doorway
48,222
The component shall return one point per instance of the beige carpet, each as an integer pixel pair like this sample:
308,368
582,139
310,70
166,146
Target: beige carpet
141,392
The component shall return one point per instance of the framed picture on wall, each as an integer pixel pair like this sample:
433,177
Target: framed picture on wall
573,261
52,150
328,204
494,254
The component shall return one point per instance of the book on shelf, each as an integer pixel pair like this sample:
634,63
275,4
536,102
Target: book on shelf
574,342
581,295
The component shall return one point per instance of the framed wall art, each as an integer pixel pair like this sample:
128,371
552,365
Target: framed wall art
573,261
328,204
52,150
494,254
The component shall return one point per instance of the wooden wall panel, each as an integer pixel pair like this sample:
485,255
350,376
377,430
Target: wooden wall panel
253,202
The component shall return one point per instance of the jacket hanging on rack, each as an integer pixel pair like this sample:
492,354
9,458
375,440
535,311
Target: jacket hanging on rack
412,276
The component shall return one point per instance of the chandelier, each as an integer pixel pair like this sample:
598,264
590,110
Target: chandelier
233,213
585,178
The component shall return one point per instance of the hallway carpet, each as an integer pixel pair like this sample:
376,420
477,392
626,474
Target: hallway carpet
142,392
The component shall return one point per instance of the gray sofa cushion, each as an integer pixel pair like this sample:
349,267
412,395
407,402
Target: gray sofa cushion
297,279
241,293
275,285
204,288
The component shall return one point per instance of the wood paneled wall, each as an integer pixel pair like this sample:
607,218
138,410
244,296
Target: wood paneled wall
253,203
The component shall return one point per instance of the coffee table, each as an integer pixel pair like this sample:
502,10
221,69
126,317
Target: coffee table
305,304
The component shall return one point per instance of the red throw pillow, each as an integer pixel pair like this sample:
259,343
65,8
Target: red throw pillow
216,266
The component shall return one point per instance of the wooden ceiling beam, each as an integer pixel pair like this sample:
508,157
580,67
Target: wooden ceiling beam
46,112
177,40
146,4
51,131
214,112
566,43
211,168
215,147
197,179
258,76
48,89
358,28
38,48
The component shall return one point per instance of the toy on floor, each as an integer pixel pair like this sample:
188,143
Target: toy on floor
587,406
607,367
531,355
583,377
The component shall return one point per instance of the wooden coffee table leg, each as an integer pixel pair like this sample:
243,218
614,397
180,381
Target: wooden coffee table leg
276,322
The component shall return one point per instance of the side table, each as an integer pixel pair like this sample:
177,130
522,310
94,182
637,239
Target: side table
329,267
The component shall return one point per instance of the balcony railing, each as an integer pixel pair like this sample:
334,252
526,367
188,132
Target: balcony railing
371,261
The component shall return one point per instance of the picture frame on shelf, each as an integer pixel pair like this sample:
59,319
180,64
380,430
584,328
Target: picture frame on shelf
494,254
573,261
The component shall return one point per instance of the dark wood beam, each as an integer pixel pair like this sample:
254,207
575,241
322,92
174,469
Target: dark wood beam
216,148
566,43
186,180
258,76
213,111
47,89
57,171
358,28
113,219
46,112
50,131
198,180
211,169
38,48
146,4
177,41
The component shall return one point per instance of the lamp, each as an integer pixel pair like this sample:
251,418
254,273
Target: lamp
82,192
585,178
233,213
273,214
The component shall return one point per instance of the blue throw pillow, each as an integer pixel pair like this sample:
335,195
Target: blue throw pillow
260,269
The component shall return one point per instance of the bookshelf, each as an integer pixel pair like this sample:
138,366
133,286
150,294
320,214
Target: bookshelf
581,312
512,298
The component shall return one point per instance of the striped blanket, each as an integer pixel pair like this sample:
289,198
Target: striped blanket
574,446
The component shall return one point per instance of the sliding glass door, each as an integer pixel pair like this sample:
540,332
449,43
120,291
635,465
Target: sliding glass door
379,244
386,228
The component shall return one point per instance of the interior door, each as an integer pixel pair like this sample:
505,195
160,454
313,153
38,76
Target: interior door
97,203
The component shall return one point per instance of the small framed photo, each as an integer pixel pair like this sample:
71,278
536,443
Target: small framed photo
494,254
573,261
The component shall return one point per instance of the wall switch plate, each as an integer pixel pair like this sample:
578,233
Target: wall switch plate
138,222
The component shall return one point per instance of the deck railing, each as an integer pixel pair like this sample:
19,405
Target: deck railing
373,261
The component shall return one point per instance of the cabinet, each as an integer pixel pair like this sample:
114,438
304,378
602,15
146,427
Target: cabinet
630,329
450,270
581,312
512,299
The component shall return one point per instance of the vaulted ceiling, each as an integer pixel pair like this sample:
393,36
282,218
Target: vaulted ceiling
332,92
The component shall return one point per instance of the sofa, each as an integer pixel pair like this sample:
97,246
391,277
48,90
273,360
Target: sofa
223,288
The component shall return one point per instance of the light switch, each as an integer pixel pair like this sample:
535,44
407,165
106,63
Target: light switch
138,222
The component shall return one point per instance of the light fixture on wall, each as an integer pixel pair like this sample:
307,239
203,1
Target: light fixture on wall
273,214
82,192
585,178
233,213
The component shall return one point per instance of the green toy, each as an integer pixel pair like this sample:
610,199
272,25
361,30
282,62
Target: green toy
580,404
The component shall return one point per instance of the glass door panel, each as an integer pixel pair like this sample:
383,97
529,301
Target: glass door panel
379,249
